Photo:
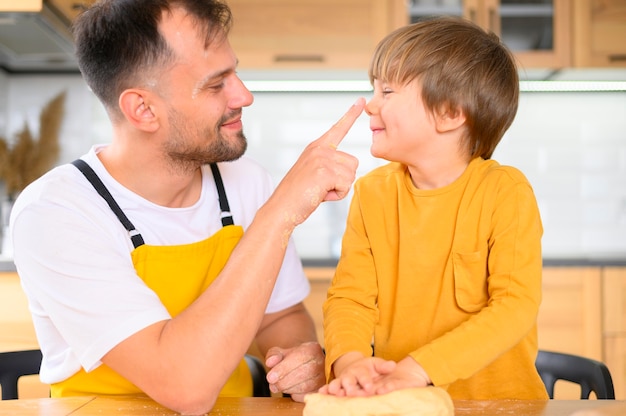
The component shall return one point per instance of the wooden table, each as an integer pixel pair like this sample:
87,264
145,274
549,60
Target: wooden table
90,406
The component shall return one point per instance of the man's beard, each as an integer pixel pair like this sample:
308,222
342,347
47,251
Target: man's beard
217,149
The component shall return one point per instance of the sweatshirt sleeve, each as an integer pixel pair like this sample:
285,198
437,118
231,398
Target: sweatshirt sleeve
350,311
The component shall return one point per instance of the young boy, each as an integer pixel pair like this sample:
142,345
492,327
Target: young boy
441,258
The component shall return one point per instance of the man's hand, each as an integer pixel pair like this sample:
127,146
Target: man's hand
296,371
321,173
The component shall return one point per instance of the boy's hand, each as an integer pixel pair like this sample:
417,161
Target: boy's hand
407,374
358,375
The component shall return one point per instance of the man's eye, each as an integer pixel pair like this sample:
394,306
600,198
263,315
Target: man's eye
216,87
213,85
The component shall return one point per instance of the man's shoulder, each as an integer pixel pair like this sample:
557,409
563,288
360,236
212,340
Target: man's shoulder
58,183
59,193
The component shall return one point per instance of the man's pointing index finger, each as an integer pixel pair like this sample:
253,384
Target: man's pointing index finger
338,131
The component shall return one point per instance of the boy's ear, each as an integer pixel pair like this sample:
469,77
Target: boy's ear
138,109
448,118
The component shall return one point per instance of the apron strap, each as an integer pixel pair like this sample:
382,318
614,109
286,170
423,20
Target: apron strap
95,181
227,218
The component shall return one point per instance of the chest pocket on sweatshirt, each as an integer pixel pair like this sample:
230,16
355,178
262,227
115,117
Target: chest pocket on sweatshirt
470,281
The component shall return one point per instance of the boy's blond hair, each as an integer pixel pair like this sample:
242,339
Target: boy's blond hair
460,67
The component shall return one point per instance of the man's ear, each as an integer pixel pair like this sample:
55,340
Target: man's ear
139,111
448,119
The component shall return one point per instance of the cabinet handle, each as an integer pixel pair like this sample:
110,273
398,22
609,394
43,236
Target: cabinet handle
471,14
494,23
617,57
299,58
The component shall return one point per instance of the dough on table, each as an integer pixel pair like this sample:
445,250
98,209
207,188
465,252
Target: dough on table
422,401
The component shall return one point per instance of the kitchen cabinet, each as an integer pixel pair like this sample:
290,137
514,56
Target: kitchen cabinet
17,331
537,31
311,34
570,317
583,312
16,327
69,8
319,278
66,9
614,319
600,36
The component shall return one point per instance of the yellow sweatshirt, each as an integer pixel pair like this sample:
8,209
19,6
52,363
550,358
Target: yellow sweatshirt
451,277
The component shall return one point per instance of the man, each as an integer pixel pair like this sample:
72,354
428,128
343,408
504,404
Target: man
137,270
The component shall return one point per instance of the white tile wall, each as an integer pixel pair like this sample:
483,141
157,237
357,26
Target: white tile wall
279,126
571,146
85,120
4,99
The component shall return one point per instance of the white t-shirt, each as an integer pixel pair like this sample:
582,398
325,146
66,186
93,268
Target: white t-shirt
73,256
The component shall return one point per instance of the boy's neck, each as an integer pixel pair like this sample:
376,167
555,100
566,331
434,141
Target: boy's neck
436,173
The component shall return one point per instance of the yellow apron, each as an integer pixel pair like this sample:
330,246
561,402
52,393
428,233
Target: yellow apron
178,275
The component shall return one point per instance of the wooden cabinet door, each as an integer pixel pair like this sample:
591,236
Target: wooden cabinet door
538,32
614,319
570,316
311,34
17,331
599,37
16,325
320,279
69,9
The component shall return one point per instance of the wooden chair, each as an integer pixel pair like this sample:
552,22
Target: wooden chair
590,374
261,386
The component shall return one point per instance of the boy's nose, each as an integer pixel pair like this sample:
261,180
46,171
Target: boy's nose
370,107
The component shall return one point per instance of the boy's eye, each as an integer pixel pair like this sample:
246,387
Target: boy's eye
386,91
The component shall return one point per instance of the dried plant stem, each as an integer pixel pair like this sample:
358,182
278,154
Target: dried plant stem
28,159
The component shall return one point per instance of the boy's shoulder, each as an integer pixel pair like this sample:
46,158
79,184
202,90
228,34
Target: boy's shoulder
381,179
493,170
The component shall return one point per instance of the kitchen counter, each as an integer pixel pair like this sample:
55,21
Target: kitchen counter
581,313
282,406
6,264
608,261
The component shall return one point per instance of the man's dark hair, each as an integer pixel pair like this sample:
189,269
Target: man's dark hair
118,43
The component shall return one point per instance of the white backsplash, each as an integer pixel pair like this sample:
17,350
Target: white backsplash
571,146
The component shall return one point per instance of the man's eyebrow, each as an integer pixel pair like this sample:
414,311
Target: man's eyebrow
215,76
